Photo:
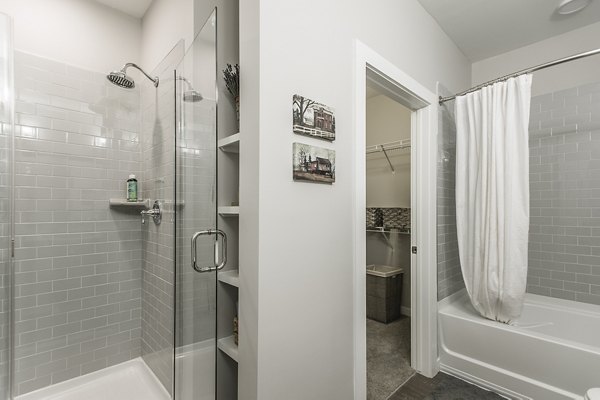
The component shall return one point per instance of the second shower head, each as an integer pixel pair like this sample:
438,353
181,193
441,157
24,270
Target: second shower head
121,79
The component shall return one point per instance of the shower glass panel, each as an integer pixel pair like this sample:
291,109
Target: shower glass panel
196,210
6,135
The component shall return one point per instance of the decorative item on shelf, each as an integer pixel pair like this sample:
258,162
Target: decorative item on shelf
235,330
132,188
313,119
231,75
313,164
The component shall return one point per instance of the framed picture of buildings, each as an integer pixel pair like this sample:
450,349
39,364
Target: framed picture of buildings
313,164
313,119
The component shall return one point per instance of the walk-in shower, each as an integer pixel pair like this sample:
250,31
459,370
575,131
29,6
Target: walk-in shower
103,306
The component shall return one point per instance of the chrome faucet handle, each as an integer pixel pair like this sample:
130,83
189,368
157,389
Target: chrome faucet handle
154,212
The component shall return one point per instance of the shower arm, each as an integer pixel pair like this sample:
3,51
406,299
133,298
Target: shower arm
153,79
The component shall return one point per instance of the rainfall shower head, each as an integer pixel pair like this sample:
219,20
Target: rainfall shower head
121,79
191,95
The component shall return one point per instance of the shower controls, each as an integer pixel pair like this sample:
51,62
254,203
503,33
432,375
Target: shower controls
155,213
223,256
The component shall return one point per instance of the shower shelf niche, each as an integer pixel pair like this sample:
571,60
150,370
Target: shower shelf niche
229,211
227,345
124,204
231,277
230,144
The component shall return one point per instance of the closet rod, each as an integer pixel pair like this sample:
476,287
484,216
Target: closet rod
521,72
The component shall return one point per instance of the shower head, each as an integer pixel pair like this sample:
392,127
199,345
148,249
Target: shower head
191,95
121,79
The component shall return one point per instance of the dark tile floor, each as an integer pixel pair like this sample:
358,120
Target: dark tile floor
441,387
388,367
388,357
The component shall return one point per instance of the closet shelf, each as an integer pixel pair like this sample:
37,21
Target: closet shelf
229,211
123,203
230,144
395,145
228,346
231,277
382,230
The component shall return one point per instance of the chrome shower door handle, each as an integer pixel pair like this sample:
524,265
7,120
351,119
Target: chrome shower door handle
222,260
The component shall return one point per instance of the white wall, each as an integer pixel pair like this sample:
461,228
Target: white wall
163,25
387,121
296,239
77,32
556,78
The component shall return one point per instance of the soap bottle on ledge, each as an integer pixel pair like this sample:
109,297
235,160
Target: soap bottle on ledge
132,188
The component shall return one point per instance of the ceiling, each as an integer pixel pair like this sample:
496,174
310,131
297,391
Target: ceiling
135,8
485,28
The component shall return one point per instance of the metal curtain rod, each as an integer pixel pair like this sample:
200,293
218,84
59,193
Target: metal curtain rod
523,71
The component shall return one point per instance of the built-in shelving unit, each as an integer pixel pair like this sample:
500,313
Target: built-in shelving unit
230,144
230,147
227,345
229,211
231,277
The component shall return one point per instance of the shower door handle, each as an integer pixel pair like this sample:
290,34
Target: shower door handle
219,261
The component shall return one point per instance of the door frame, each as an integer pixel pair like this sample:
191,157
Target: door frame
424,127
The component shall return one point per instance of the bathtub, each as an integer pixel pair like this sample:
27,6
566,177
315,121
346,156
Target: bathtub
552,352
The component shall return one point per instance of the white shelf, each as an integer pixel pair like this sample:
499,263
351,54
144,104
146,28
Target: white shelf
230,144
228,346
230,277
229,211
129,204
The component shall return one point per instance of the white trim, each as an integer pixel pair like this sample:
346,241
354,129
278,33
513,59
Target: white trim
423,193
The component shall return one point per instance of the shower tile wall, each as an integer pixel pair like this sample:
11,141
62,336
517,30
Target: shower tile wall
78,268
449,273
564,240
5,265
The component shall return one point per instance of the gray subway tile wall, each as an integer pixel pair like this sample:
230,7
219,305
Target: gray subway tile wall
450,278
78,263
564,234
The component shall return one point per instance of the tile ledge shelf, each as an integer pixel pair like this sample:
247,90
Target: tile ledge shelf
123,203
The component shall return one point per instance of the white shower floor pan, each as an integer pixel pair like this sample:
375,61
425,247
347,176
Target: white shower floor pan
131,380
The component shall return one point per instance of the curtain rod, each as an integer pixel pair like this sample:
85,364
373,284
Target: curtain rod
521,72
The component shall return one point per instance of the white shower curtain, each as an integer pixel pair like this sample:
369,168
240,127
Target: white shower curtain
492,195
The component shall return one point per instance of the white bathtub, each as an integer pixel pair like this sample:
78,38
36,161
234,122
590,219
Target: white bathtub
552,352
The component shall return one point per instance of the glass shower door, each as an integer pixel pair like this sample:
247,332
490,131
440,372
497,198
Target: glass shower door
199,248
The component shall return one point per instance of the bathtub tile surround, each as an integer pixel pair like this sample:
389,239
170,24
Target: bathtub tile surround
564,244
78,263
450,278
